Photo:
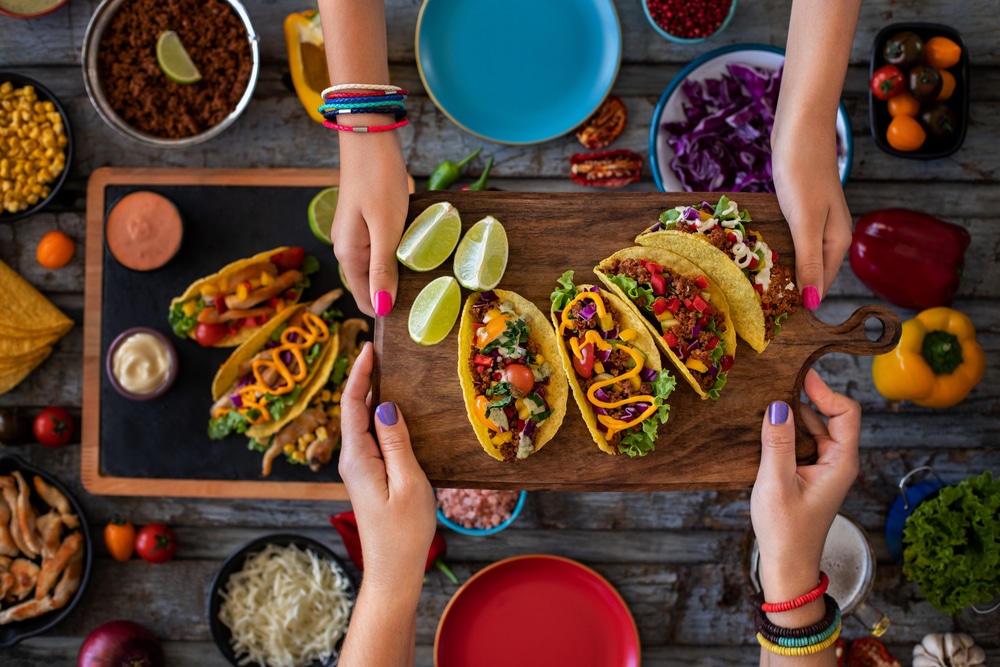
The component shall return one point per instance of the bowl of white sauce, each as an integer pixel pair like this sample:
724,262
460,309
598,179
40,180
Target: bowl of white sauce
141,363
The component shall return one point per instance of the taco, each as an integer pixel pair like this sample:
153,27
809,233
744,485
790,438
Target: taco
514,395
613,366
687,315
311,432
226,308
272,377
761,293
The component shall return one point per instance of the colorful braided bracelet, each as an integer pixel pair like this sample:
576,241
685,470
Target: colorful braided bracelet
801,601
799,650
361,86
763,624
366,128
382,99
363,93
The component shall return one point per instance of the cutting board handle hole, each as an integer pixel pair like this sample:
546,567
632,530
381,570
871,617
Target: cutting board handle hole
874,329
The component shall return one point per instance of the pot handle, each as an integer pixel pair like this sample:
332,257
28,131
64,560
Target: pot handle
905,480
875,621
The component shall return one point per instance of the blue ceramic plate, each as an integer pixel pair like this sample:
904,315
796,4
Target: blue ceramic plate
712,65
518,71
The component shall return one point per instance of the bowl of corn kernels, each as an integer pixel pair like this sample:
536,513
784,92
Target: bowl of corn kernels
36,146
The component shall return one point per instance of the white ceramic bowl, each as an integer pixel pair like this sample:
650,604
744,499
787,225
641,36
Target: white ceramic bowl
712,65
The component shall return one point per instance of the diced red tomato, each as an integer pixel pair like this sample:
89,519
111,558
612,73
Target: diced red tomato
653,267
483,360
754,261
699,303
671,339
759,288
687,304
701,282
712,344
273,302
497,376
290,258
248,322
674,305
732,237
220,304
208,335
727,363
291,294
774,257
476,327
703,320
520,425
584,367
659,283
262,319
659,306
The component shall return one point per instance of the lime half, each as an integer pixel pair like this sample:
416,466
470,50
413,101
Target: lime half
430,238
174,60
321,210
481,257
434,311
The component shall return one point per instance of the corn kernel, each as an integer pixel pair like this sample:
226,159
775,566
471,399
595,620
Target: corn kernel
241,291
325,396
335,397
628,334
289,448
321,433
190,308
266,279
299,456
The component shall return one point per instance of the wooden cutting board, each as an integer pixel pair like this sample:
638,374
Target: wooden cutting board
704,445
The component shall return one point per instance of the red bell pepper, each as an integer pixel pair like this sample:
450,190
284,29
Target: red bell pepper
910,259
347,525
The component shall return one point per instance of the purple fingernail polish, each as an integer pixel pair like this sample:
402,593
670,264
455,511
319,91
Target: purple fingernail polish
387,413
383,303
777,413
810,298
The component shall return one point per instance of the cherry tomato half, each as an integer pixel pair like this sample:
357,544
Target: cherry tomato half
208,335
53,427
156,543
521,377
290,258
584,367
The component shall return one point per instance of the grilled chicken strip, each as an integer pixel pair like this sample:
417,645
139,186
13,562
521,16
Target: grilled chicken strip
280,285
26,610
26,514
321,304
53,497
212,316
250,273
53,567
25,575
7,545
8,487
319,452
70,581
49,529
6,581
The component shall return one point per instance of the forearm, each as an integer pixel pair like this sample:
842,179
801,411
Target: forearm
787,583
383,628
354,35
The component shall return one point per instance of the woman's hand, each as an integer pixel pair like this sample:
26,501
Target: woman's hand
390,495
371,212
792,507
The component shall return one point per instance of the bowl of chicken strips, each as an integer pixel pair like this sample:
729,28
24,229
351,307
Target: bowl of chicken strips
45,551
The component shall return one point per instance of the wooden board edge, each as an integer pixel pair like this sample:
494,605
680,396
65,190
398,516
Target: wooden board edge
210,488
90,430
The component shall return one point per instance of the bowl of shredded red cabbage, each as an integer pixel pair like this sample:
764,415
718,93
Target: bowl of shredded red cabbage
711,130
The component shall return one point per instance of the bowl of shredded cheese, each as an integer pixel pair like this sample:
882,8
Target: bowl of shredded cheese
281,601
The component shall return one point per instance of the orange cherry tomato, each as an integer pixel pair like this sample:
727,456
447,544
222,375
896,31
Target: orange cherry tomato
948,84
119,537
905,134
904,104
941,52
55,250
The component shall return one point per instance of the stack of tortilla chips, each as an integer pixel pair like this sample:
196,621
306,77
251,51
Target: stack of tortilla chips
29,326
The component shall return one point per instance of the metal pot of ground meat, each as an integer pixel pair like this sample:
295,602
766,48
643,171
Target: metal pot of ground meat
133,95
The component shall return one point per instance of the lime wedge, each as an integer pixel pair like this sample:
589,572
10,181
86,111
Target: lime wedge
321,210
430,238
174,60
481,257
434,311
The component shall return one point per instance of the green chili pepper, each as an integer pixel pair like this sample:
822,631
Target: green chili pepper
446,173
480,184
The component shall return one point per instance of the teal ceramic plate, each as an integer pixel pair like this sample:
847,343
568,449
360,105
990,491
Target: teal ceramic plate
518,71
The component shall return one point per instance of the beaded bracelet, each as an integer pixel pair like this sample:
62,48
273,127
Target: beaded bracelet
361,86
799,650
802,600
763,625
366,128
817,638
361,93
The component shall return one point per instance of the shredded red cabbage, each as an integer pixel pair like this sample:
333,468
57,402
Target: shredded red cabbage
601,395
529,428
602,355
695,330
612,334
648,374
588,311
724,143
236,400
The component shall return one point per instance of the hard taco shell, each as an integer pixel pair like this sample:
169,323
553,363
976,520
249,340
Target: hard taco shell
544,336
644,343
676,264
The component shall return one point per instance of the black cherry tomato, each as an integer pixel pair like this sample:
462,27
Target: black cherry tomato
924,82
904,49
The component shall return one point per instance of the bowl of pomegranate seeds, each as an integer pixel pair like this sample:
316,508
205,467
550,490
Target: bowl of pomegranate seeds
478,511
689,21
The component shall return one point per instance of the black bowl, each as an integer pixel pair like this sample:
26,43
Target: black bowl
12,633
234,563
45,95
878,111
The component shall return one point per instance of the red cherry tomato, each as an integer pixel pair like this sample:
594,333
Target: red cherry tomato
156,543
584,367
289,259
521,377
887,82
208,335
53,427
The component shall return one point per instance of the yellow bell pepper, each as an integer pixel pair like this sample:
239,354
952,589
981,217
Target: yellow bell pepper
936,363
307,60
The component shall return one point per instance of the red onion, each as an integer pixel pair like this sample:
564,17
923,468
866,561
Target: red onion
121,644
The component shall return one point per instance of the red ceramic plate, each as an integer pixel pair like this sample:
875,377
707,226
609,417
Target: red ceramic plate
536,610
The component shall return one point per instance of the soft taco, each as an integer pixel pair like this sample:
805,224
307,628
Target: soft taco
761,293
226,308
687,315
515,396
613,367
311,432
272,378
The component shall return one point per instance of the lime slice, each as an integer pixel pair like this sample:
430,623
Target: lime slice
434,311
174,60
430,238
321,210
481,257
343,278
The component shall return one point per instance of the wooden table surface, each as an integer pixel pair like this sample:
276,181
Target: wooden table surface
675,557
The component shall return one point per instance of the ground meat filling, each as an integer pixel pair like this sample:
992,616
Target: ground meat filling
138,90
781,298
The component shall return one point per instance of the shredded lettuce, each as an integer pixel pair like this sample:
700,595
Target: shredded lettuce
278,405
561,297
181,323
230,422
642,441
634,290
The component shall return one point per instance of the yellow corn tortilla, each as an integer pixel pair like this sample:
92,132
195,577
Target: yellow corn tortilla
24,312
229,372
644,343
16,347
12,378
719,268
27,360
245,333
544,336
676,264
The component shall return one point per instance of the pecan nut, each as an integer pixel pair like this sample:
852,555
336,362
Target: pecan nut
607,123
608,169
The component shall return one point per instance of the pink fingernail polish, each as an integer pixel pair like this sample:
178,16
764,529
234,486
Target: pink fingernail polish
383,303
810,298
